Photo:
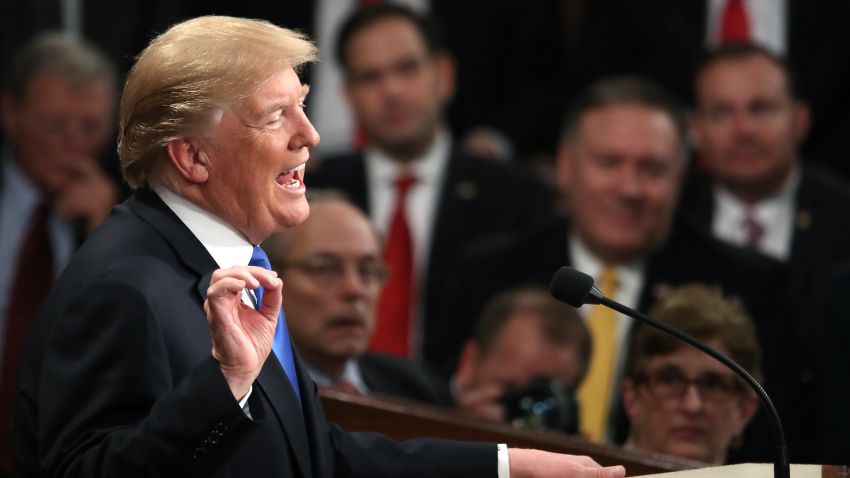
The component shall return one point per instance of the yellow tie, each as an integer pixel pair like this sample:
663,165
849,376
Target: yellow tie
594,393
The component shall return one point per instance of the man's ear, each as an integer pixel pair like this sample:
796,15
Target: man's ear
629,397
445,70
190,161
7,112
802,120
564,168
467,363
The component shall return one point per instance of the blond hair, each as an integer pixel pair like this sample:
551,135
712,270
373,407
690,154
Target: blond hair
189,76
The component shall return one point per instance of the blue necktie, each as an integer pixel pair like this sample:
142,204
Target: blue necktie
281,346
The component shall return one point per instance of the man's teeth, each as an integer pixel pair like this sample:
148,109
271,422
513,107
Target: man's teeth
293,184
300,167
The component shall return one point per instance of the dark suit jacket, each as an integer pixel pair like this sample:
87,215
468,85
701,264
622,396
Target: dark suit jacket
687,256
832,364
398,377
118,380
820,240
479,198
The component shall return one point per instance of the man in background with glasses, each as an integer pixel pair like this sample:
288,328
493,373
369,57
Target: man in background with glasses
334,274
679,400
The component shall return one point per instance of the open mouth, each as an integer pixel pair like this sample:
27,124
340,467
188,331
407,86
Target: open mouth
292,179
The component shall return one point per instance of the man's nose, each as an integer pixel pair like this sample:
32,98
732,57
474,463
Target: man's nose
305,135
630,184
743,123
692,401
352,284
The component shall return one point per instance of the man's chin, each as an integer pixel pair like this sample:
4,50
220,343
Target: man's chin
294,214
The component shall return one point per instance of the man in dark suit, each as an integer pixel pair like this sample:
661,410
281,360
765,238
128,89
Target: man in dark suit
334,273
398,81
153,354
620,168
58,105
524,335
757,191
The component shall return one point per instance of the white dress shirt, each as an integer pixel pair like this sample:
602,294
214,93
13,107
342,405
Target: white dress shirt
227,246
422,198
421,206
768,23
19,198
775,215
351,373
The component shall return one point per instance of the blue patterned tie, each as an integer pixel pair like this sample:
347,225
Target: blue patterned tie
281,346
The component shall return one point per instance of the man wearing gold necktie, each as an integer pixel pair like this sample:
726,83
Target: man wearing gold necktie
620,168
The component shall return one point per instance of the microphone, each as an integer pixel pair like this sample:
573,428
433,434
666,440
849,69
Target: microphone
576,289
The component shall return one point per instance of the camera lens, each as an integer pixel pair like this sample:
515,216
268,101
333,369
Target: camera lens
542,404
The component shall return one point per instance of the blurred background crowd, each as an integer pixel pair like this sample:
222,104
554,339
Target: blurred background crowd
689,155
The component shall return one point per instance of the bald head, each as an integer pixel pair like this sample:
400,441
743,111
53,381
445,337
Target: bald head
332,272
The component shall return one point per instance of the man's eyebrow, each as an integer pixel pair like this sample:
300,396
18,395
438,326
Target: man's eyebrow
286,102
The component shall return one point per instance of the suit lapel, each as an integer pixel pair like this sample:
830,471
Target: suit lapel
272,380
275,386
150,208
455,193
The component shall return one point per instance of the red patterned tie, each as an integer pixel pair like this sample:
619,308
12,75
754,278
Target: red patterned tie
754,230
33,280
735,26
392,327
344,385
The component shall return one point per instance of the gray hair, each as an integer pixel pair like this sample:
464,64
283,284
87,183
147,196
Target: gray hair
75,59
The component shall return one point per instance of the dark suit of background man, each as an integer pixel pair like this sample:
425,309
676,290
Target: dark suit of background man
757,190
426,197
334,274
58,105
149,357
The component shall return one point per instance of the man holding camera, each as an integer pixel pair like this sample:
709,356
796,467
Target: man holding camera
526,345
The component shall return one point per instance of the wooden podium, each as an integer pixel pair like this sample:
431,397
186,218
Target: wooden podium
401,420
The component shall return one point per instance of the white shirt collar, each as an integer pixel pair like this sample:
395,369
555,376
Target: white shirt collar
351,373
15,182
628,275
775,214
428,169
227,246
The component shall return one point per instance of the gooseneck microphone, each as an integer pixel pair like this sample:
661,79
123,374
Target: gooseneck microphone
576,288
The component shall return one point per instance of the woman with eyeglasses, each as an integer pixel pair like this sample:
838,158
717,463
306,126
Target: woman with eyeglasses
679,400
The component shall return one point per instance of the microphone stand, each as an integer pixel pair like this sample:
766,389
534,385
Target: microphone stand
782,468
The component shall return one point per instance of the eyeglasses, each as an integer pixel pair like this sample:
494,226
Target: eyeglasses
329,270
670,383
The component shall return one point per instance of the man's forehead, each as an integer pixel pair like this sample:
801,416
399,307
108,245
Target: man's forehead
685,359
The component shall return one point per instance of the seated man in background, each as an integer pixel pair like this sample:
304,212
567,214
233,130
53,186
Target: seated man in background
680,401
334,273
526,344
58,115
